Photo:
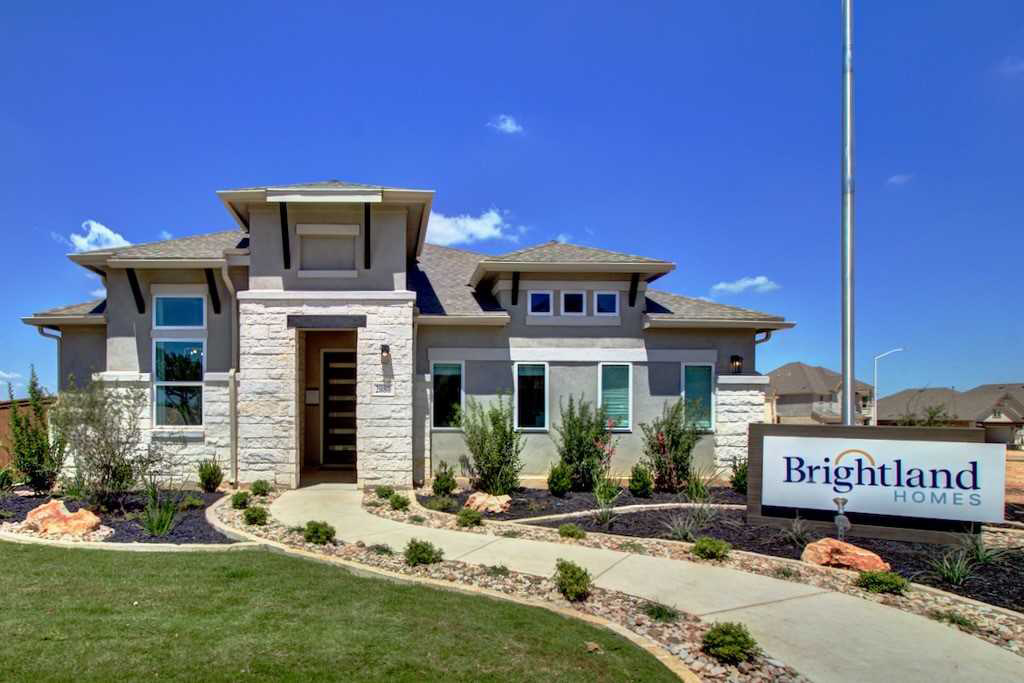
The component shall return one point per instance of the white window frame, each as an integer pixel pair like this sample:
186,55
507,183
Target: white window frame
171,294
515,396
159,383
561,302
529,301
617,303
462,397
600,392
714,388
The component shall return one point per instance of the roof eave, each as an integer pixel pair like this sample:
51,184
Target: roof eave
655,270
490,320
164,263
680,323
63,320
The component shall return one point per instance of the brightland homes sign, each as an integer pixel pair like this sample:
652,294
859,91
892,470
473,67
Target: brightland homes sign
924,479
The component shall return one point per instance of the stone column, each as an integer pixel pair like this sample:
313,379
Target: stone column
736,406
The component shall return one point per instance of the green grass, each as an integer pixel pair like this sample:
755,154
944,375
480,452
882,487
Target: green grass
93,615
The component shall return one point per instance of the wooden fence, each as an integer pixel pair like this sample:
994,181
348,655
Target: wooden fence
5,426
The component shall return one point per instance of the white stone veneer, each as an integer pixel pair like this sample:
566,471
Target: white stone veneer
737,406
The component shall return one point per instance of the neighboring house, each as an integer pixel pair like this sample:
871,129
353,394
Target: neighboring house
809,394
324,336
998,408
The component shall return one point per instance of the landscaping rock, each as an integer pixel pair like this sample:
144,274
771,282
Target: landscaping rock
829,552
485,502
54,518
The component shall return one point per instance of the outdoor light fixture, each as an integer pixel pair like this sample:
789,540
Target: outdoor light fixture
736,362
385,353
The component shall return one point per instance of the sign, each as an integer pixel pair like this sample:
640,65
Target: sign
383,389
925,479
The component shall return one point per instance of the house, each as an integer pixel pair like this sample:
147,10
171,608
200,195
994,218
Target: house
324,337
809,394
997,408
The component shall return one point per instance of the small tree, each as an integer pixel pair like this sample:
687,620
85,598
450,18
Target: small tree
584,443
495,446
669,441
35,455
931,416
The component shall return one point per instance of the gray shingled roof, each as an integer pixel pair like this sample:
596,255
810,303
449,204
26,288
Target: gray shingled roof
95,307
800,378
667,306
208,246
316,184
914,401
441,281
558,252
975,404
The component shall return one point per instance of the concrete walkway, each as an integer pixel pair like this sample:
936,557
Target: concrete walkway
825,635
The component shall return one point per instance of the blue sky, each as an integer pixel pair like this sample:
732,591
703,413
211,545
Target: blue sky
707,133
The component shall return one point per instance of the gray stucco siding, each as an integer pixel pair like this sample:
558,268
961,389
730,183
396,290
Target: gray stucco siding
83,351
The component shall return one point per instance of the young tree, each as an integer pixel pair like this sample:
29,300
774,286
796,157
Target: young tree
35,455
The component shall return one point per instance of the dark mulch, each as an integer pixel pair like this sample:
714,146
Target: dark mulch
190,525
538,502
1001,585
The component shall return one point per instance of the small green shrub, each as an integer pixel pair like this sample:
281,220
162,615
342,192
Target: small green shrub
191,502
260,487
469,517
210,475
497,570
982,553
685,526
559,480
444,483
157,517
633,547
955,567
584,443
882,582
71,487
381,549
948,616
738,480
398,502
573,581
798,533
240,500
320,533
32,452
6,514
711,548
606,492
784,572
6,481
417,519
256,515
697,488
511,533
422,552
641,481
384,491
660,612
571,530
730,642
495,446
440,504
669,441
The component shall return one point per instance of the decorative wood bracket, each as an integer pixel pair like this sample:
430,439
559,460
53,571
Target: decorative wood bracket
211,283
286,248
140,302
634,284
367,241
515,289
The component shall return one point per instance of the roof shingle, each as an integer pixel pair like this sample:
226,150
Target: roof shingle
559,252
95,307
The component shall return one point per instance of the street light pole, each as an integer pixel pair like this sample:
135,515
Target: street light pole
874,392
848,411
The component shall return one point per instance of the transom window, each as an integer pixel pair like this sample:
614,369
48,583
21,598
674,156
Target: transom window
698,394
531,400
540,303
606,303
573,303
178,366
182,312
449,392
615,394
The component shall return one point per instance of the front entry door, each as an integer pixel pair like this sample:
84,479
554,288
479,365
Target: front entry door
339,406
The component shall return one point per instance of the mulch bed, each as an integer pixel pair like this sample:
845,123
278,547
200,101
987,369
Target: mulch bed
1001,584
190,525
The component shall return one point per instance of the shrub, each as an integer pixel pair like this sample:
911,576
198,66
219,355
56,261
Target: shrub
32,452
730,642
497,570
381,549
384,492
559,480
798,533
417,519
157,517
72,487
698,483
668,444
711,548
632,547
320,533
606,492
440,504
422,552
882,582
948,616
641,481
660,612
495,446
738,481
573,581
444,483
210,475
6,481
191,502
955,567
685,526
982,553
398,502
469,517
571,530
260,487
584,443
785,572
256,515
511,533
240,500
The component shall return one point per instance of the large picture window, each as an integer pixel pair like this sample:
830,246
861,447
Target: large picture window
615,394
180,312
698,394
178,382
531,396
449,391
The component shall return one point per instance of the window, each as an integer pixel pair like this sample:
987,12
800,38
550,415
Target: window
531,396
699,395
615,393
540,303
448,395
178,382
606,303
181,312
573,303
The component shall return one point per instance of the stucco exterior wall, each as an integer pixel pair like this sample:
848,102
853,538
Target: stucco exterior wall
83,351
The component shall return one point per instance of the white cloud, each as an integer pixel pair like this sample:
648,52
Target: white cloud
899,179
97,236
464,229
8,376
563,237
759,283
164,235
1011,67
98,293
60,239
505,124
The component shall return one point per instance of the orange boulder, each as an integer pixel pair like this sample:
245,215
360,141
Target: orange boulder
830,552
54,518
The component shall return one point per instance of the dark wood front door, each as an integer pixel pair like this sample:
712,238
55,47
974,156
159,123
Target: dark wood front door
339,406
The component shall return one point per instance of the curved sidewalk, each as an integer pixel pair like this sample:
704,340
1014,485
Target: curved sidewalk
825,635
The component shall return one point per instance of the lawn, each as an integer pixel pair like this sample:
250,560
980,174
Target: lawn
94,615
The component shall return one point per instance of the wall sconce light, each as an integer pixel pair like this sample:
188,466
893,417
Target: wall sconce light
736,362
385,353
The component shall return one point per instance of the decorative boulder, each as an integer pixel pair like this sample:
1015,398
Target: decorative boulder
485,502
54,518
829,552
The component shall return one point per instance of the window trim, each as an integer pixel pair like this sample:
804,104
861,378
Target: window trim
617,303
714,389
462,393
180,295
529,301
600,392
201,383
561,302
338,231
515,397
